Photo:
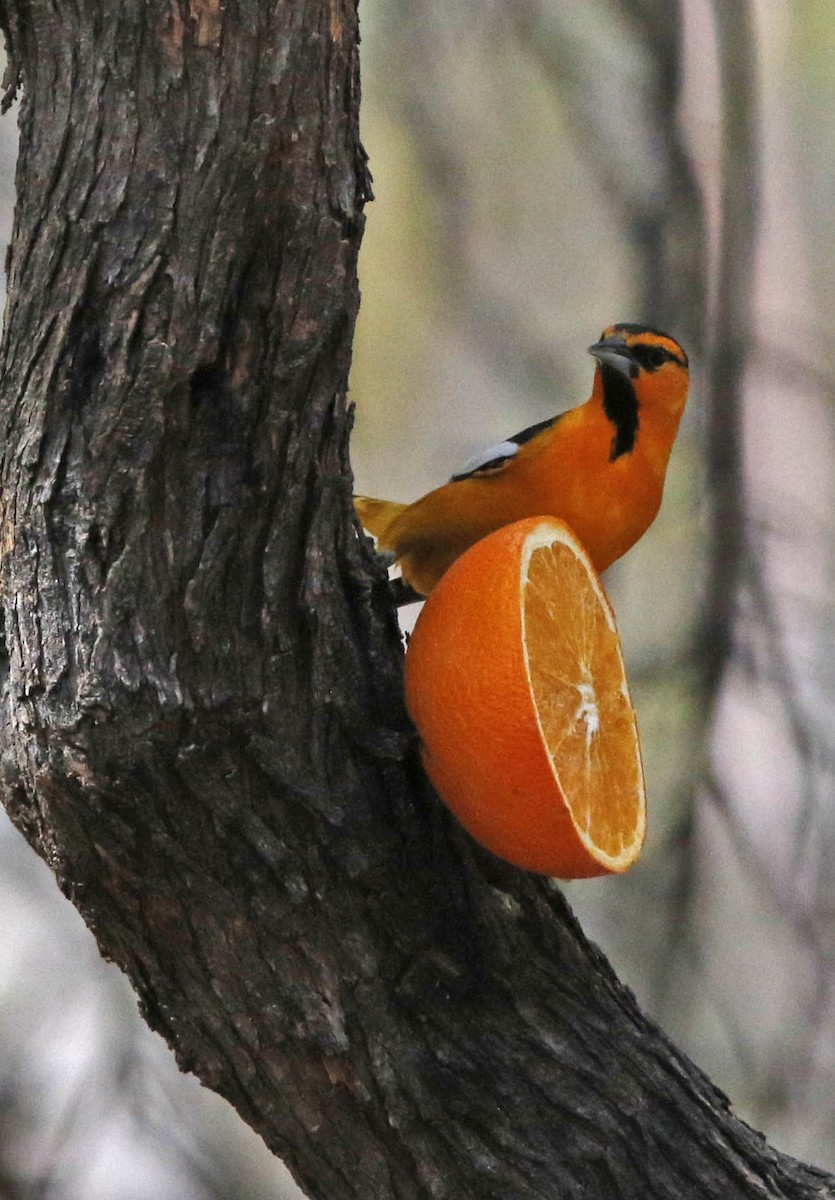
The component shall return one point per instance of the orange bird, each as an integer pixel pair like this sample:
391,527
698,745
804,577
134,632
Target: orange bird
600,467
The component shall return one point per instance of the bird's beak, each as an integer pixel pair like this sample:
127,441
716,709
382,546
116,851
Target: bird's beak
614,352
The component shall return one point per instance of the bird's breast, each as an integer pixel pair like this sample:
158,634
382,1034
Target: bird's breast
608,503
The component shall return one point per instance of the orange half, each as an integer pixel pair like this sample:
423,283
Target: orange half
516,683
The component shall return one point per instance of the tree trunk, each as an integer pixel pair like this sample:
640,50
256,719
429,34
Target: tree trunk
202,730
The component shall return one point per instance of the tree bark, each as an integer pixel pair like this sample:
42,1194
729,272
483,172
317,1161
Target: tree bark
202,723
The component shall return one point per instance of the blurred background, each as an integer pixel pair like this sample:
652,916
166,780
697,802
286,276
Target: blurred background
542,169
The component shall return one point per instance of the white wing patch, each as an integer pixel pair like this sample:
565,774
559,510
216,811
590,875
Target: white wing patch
489,458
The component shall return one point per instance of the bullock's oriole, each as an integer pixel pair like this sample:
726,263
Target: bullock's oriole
600,467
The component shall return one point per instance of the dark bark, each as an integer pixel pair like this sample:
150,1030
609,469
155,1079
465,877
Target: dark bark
203,731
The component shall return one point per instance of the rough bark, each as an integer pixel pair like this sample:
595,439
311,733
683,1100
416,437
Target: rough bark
202,725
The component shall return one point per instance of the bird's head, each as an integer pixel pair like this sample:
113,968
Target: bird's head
650,363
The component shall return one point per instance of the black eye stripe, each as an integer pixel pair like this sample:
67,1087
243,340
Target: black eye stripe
649,356
652,357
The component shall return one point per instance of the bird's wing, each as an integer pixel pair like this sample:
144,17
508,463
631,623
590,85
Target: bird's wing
494,457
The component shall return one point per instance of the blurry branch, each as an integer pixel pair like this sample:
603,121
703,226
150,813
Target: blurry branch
618,77
761,874
678,943
636,152
781,673
487,313
685,950
729,345
492,320
808,913
741,626
731,339
774,1078
54,1133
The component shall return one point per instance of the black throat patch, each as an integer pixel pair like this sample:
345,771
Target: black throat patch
620,405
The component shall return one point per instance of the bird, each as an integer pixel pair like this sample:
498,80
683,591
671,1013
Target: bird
600,467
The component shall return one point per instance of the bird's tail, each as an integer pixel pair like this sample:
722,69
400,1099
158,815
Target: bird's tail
377,515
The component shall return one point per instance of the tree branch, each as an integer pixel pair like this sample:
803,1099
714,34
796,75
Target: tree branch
202,725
